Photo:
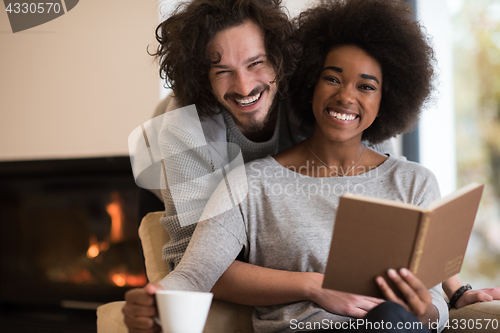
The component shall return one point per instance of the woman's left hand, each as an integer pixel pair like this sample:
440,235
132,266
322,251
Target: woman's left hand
480,295
417,298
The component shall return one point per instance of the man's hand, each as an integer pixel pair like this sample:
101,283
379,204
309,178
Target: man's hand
140,309
481,295
342,303
417,298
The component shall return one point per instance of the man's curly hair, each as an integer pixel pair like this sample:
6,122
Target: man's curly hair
184,37
387,31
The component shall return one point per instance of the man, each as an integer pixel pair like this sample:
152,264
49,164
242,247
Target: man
232,59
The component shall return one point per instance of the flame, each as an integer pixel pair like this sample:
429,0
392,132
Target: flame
122,279
116,275
96,247
115,211
119,280
93,251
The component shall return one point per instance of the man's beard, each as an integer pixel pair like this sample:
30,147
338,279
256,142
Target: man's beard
253,125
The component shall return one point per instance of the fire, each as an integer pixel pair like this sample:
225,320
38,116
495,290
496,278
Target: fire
122,279
93,251
117,275
115,211
96,247
119,280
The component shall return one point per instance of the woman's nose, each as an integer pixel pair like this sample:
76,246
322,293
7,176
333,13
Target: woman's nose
346,94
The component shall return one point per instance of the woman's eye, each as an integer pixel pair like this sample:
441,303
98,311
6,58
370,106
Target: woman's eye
367,87
221,72
332,79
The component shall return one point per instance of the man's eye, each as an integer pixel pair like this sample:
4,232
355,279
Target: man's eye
221,72
255,63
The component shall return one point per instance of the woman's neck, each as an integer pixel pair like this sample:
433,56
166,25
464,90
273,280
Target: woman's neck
318,157
336,158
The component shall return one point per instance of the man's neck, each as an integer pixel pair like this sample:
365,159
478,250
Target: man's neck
266,133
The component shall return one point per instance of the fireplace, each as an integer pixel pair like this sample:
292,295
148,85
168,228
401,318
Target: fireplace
68,232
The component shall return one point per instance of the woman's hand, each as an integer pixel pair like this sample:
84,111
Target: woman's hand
140,309
341,303
480,295
417,298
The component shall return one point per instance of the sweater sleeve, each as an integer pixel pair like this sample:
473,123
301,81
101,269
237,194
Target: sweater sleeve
191,178
212,249
217,239
440,304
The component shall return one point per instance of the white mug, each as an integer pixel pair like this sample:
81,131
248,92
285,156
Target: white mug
183,311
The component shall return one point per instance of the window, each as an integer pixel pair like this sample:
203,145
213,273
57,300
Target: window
460,133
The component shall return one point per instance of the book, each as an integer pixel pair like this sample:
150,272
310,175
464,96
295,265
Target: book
372,235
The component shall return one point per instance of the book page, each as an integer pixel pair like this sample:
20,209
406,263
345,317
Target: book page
441,201
449,228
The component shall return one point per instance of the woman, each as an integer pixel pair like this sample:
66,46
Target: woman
351,85
360,21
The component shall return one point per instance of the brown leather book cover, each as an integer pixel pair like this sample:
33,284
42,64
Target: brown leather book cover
372,235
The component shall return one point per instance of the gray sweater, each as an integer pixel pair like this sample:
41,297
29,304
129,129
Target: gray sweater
191,169
284,220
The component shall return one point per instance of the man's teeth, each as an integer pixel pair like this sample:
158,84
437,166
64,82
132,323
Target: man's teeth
342,116
249,100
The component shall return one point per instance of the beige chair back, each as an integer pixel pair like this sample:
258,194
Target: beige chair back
153,235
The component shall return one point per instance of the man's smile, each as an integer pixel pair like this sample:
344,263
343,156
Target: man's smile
248,100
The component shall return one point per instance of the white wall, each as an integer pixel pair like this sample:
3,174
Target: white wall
78,85
437,125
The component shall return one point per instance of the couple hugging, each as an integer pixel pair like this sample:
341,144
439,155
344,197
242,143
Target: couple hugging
316,99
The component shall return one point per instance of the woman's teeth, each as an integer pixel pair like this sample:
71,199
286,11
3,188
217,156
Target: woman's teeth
342,116
249,100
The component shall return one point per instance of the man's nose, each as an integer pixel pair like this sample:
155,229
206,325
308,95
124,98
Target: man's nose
243,83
